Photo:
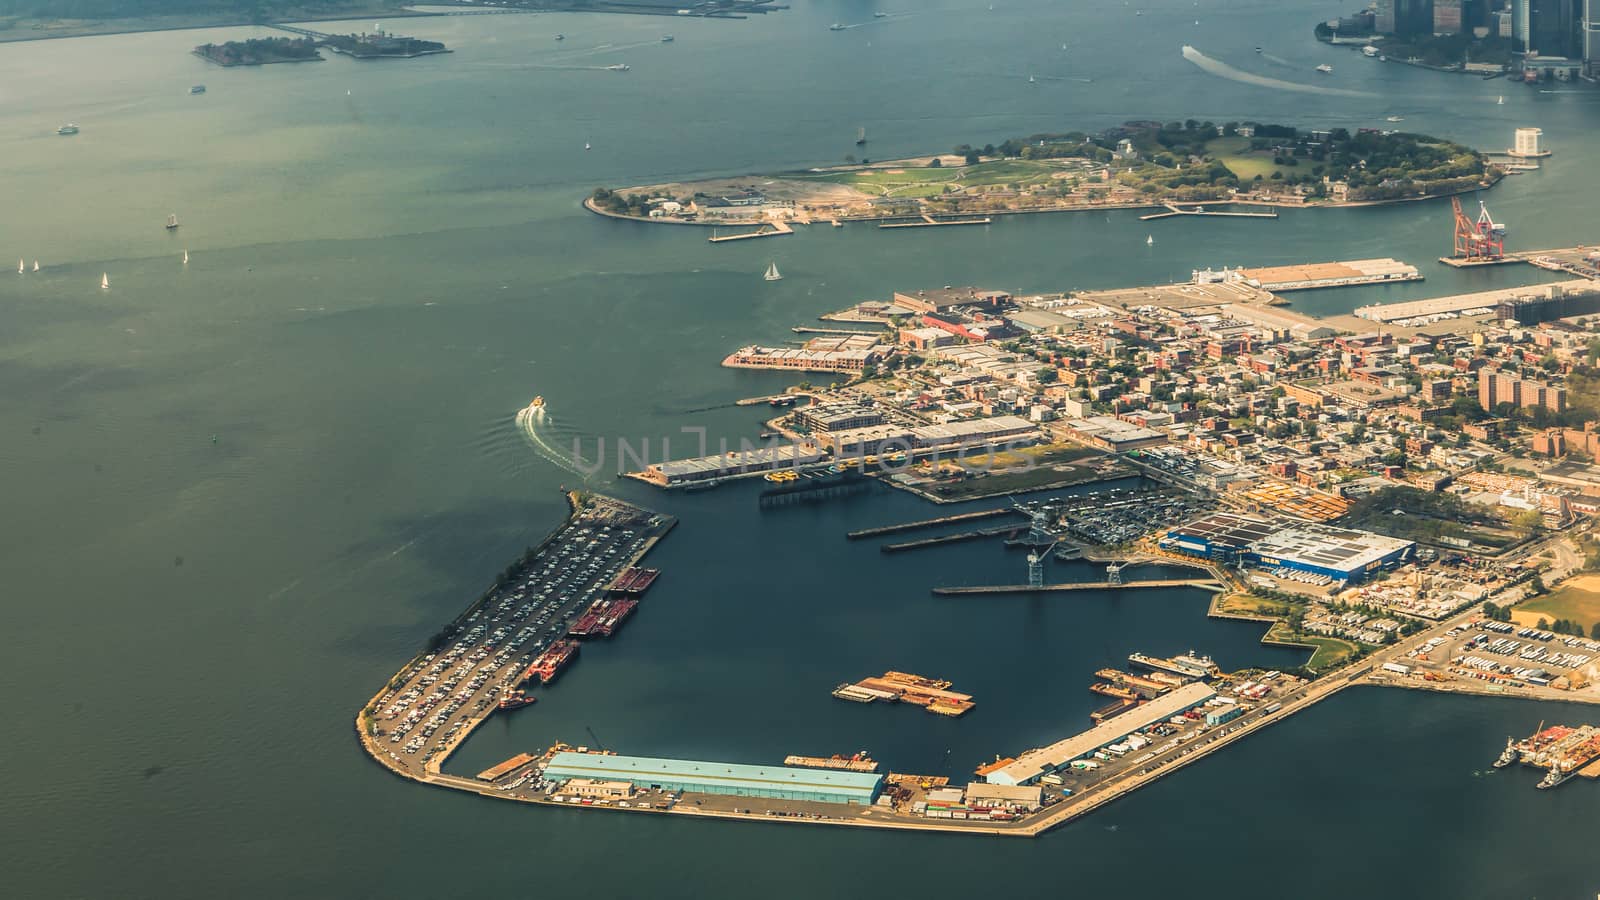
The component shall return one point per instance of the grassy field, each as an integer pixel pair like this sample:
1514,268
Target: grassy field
1252,605
931,182
1330,653
1578,600
1234,152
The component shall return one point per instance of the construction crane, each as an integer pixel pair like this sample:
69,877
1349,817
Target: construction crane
1481,240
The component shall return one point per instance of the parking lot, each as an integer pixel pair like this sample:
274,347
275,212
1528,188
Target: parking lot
438,699
1504,653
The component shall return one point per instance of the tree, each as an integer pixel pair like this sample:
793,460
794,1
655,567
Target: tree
1544,624
1047,375
1594,631
936,163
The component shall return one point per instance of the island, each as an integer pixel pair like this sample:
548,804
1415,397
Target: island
260,51
1136,165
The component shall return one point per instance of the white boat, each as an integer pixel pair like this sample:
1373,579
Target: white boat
666,39
1500,102
1149,240
837,27
772,273
1031,80
1325,69
20,267
172,221
586,145
68,128
561,37
36,265
861,136
619,67
1395,119
105,281
186,257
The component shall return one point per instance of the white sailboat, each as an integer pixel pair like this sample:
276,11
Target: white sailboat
20,267
186,257
586,145
1149,240
772,273
36,265
1500,102
172,221
105,281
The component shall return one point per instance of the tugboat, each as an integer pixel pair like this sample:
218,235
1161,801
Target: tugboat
516,700
1553,778
1508,755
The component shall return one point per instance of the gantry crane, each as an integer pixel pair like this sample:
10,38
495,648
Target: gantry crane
1482,240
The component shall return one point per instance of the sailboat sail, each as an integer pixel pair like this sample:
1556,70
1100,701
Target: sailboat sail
773,273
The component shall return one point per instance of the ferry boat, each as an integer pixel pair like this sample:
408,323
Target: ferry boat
198,89
1325,69
68,128
1172,666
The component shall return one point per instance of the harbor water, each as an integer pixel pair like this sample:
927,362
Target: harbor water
241,491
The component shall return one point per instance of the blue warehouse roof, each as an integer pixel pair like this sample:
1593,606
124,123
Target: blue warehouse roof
728,775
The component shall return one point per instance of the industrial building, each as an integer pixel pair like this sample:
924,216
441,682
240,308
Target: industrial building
951,435
830,417
730,779
1027,768
1342,554
1113,434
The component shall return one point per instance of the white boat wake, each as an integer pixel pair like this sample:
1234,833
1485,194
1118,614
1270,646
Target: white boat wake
1223,70
534,425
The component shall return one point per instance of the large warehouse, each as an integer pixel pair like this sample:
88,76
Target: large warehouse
779,782
1342,554
1027,768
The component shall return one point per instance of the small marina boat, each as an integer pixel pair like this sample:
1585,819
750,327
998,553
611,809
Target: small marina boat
105,281
68,128
1500,102
619,67
560,37
1031,80
172,221
586,145
537,406
1325,69
20,267
36,265
186,257
666,39
1149,240
198,89
836,27
1395,119
772,273
861,136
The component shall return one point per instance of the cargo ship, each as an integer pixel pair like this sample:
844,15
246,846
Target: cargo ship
603,618
860,762
548,665
516,700
634,580
931,694
1185,666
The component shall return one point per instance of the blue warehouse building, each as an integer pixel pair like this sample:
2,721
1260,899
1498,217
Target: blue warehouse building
732,779
1342,554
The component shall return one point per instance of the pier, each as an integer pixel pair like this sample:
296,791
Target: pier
846,332
1076,586
930,221
1175,210
950,538
931,523
774,229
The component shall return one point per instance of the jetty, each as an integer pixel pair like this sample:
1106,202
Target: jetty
950,538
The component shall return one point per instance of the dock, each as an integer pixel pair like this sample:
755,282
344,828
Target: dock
931,523
932,694
806,329
857,763
1175,210
496,772
775,229
1461,305
1076,586
929,221
949,539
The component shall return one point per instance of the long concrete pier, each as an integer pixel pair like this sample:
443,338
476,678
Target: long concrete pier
929,221
1175,210
1076,586
949,538
777,229
931,523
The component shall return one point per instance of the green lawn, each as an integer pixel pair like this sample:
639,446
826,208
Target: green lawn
928,182
1234,152
1330,653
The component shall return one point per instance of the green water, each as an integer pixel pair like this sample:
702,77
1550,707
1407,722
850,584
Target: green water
387,260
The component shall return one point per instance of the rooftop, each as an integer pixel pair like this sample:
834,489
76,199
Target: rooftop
645,768
1034,763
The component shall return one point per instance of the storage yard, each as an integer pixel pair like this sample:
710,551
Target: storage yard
1335,274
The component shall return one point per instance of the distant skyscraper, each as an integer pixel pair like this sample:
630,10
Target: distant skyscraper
1550,27
1447,16
1405,18
1591,36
